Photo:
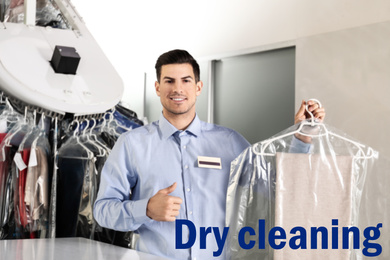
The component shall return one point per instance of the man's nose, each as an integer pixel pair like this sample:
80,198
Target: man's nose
178,87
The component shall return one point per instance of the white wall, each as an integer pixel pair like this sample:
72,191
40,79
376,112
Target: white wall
134,33
349,71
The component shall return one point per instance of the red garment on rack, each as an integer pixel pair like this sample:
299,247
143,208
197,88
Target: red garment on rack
2,135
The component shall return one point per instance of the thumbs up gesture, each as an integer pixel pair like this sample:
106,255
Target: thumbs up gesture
162,206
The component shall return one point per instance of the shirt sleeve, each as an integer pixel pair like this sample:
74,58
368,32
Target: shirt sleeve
239,143
113,208
297,146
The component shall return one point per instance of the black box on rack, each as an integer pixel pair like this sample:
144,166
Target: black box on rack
65,60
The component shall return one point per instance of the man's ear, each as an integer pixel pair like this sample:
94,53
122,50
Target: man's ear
199,87
157,87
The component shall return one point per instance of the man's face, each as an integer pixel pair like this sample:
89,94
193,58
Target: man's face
177,89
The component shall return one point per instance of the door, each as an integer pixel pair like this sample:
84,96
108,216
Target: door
254,93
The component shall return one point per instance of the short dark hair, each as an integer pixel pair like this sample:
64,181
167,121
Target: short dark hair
177,57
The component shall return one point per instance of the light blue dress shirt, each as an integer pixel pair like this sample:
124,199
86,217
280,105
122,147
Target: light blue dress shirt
150,158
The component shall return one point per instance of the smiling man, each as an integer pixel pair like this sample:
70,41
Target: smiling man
174,168
178,87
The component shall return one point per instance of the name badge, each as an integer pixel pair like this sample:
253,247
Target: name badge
209,162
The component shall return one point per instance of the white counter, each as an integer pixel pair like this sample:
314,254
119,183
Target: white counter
67,249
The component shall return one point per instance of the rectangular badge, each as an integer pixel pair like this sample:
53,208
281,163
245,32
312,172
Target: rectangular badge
209,162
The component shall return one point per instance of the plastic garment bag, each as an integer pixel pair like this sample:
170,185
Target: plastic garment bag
101,150
53,197
113,126
8,117
131,116
47,13
75,184
8,120
8,149
80,161
288,202
31,182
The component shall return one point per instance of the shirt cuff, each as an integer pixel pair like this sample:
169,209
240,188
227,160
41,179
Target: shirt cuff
139,211
297,146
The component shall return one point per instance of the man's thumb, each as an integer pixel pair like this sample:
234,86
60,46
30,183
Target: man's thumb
169,189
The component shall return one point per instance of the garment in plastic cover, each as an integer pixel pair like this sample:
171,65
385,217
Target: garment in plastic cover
8,148
31,182
288,202
76,183
47,13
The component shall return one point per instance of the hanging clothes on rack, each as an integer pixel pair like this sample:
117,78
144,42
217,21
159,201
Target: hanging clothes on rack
47,14
50,173
117,124
80,161
32,184
16,131
53,137
75,184
128,117
275,184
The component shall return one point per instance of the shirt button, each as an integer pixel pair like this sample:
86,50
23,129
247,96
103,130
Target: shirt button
188,189
186,166
185,147
190,212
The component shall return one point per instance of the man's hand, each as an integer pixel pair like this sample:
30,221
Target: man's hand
302,114
314,108
162,206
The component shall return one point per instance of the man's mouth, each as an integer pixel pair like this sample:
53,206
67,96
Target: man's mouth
177,98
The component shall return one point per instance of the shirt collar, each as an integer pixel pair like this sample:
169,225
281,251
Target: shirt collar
167,129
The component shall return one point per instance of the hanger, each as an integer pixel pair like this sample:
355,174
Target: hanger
89,153
102,124
95,139
9,113
313,122
113,124
102,152
42,131
31,130
7,140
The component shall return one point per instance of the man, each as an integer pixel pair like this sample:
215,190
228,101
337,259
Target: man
157,174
